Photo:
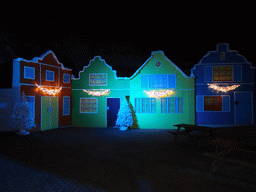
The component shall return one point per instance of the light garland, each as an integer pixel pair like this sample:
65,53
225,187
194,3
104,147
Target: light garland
49,91
97,92
223,89
158,93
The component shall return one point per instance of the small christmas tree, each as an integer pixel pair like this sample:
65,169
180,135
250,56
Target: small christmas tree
124,117
22,117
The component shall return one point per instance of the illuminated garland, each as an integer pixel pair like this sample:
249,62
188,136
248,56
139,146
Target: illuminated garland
97,92
158,93
49,91
223,89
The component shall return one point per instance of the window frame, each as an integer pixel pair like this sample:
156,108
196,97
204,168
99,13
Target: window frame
46,75
148,79
89,99
171,103
98,74
65,74
151,104
211,96
25,73
214,69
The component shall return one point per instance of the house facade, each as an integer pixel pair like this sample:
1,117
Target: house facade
161,94
47,87
225,89
97,95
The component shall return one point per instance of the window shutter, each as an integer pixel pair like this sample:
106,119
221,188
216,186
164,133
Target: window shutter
237,73
172,81
199,103
153,82
225,104
208,73
176,105
144,81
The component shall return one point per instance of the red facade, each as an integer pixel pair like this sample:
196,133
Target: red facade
59,78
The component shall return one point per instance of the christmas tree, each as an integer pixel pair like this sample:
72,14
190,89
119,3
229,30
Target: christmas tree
22,117
124,117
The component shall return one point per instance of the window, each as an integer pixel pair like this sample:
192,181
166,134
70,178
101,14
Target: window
158,64
145,105
31,102
222,55
172,105
222,73
49,75
66,105
212,103
98,79
66,78
29,72
158,81
88,105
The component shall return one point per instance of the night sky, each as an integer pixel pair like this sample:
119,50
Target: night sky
124,35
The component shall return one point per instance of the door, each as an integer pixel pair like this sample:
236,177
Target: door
243,108
113,105
49,115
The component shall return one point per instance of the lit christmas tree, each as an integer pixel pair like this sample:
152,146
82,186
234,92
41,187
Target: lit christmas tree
22,117
124,117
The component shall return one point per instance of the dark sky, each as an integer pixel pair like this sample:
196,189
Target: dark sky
124,35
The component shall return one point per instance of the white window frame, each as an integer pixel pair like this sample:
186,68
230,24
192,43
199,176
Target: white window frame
177,107
64,106
151,107
46,76
96,107
98,74
26,67
64,78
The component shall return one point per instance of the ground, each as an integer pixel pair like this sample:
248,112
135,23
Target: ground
104,159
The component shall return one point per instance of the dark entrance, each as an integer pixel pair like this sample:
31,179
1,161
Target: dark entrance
113,105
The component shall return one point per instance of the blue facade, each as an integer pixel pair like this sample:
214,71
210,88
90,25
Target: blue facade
225,89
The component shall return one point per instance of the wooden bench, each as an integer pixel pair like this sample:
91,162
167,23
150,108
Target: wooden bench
206,131
228,146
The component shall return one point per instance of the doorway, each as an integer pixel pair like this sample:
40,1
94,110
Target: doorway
49,113
113,106
243,108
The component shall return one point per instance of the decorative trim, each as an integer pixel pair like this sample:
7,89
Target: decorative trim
97,92
158,64
222,88
49,91
159,93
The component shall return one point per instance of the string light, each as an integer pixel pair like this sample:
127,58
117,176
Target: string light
97,92
223,89
158,93
49,91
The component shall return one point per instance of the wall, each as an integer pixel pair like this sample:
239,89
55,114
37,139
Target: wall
119,88
184,88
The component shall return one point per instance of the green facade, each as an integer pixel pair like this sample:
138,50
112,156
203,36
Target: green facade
96,77
159,65
157,73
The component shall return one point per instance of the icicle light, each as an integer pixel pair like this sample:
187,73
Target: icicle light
49,91
97,92
158,93
223,88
